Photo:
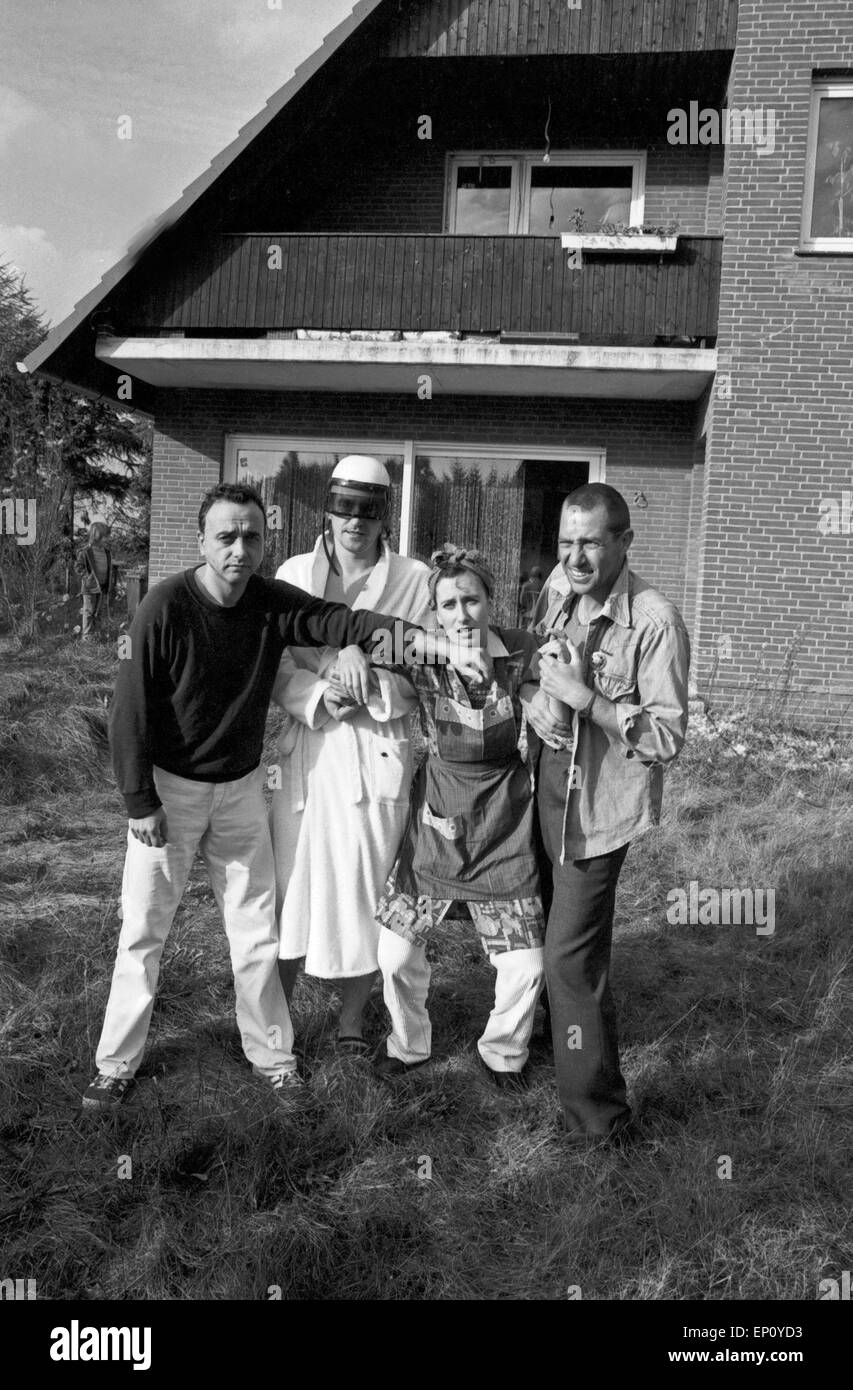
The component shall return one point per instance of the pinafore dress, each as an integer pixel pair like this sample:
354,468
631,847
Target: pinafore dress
469,835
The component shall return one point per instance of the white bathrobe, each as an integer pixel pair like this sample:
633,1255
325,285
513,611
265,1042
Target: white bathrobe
339,816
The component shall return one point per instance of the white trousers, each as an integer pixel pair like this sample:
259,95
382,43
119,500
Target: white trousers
227,823
405,979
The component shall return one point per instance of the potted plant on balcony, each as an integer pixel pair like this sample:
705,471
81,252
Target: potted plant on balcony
619,236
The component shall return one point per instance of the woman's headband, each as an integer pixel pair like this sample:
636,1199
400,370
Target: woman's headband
453,558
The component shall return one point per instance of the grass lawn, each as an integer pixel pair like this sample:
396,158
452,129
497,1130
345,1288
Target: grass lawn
734,1044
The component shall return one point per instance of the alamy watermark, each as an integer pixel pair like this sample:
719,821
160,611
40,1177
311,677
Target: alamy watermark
732,125
722,907
76,1343
18,519
836,515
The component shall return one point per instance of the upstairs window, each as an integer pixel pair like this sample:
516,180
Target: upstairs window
519,194
828,206
484,199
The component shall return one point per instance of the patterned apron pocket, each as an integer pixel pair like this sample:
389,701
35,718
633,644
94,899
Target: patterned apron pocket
450,827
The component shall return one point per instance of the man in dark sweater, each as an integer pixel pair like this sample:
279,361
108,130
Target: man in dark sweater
186,732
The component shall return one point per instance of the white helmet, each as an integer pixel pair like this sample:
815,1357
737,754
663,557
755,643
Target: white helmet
359,486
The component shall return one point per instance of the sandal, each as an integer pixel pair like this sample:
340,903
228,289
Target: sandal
351,1046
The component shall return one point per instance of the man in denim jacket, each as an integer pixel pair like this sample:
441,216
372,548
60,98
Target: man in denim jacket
621,676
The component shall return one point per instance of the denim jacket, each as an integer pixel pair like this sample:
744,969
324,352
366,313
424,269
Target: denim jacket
637,657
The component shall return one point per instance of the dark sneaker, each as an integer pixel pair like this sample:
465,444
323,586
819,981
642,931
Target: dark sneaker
392,1069
106,1092
507,1080
351,1046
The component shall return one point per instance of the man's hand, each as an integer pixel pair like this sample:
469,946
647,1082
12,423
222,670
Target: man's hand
339,704
551,731
351,673
564,679
151,830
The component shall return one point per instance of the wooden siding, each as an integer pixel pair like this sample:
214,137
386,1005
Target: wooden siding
509,28
415,283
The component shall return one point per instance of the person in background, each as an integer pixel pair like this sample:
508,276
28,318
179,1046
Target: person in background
95,566
469,836
528,595
346,763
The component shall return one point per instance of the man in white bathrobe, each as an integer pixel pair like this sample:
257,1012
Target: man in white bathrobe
346,764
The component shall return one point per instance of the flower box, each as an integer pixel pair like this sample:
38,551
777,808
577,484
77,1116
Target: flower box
619,241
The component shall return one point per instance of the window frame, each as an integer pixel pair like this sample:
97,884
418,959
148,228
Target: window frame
824,89
522,163
409,448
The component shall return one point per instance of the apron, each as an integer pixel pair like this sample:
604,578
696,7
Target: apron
470,831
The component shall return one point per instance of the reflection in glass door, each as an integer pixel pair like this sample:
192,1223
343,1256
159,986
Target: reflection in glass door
507,507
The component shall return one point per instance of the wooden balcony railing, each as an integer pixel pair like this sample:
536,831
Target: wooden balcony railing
256,283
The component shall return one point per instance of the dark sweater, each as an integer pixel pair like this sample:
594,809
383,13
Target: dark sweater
193,696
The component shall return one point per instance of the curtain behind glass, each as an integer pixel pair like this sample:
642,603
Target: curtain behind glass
478,503
296,483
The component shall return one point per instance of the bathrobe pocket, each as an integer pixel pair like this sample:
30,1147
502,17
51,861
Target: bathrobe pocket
390,769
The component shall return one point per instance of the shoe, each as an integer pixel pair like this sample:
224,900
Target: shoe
286,1081
392,1069
351,1046
507,1080
620,1138
106,1092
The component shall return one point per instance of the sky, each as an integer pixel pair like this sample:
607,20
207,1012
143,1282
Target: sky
188,73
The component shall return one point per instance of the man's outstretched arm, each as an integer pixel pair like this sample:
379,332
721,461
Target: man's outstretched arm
312,622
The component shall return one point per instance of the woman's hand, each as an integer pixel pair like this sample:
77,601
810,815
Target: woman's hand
351,674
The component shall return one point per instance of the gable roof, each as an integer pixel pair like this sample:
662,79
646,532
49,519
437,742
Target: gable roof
190,196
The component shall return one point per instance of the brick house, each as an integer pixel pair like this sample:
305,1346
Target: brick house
403,253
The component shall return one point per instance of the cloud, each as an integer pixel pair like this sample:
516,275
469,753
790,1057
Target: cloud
16,112
26,247
56,280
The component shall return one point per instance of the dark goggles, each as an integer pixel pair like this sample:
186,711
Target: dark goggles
367,500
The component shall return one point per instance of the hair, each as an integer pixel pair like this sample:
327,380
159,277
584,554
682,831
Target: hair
592,495
230,492
453,560
97,531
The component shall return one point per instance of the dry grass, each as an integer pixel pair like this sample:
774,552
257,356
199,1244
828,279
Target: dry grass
733,1044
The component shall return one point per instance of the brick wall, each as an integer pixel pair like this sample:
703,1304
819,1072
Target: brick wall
650,451
783,440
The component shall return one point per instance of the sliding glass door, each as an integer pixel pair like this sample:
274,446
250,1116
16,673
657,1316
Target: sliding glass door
503,501
508,507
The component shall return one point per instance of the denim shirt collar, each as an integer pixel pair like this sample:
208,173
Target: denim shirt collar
617,605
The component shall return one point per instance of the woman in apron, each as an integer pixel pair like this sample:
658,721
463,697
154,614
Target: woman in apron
469,836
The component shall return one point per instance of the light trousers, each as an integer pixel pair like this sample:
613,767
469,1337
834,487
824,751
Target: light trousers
227,823
405,980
